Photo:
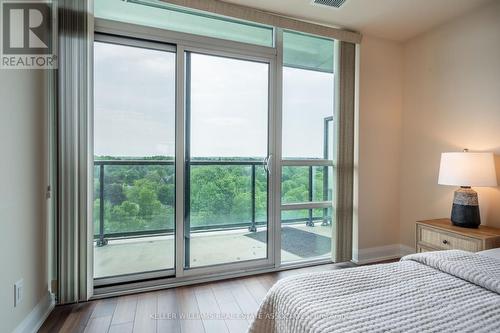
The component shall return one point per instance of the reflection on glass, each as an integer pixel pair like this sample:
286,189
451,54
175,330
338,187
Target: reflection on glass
134,145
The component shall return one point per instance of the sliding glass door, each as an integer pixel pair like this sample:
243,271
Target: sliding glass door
227,149
134,156
225,153
201,165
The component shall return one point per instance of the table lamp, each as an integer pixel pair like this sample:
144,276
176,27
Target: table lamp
467,169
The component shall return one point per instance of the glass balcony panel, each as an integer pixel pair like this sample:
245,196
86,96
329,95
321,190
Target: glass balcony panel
222,216
296,181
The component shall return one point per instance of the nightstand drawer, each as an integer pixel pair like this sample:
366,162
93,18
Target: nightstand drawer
447,241
441,234
422,248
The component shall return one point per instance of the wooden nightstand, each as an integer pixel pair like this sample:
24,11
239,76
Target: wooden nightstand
435,235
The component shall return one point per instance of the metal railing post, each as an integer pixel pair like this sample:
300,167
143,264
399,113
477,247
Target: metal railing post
310,222
253,228
101,241
325,196
325,169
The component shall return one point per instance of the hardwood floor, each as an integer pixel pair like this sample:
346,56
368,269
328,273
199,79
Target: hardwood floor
224,306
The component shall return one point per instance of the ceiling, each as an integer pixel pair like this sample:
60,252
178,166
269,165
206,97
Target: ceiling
397,20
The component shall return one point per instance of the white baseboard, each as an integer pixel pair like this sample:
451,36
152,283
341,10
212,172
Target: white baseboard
35,319
381,253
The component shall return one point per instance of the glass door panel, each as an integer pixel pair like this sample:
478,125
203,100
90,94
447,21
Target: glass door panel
227,103
134,155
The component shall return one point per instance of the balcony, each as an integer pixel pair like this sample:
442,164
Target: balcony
134,214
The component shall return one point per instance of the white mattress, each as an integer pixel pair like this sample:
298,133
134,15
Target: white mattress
493,253
442,291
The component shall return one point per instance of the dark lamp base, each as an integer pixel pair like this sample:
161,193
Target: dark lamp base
465,216
465,211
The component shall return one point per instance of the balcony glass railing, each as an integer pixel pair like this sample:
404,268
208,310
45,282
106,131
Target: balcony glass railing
136,198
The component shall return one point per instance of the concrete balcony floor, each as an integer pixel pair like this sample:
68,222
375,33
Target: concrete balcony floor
143,254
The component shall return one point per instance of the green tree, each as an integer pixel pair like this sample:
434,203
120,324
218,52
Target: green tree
114,193
166,193
144,193
127,211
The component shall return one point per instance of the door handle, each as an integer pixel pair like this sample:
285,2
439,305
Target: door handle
267,163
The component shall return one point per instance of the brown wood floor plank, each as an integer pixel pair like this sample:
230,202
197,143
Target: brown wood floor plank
243,297
208,307
105,308
122,328
56,319
98,324
234,319
188,307
146,308
257,290
233,316
79,317
266,281
168,312
125,310
222,292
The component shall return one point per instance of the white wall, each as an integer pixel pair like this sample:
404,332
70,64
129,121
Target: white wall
22,203
378,149
437,92
451,101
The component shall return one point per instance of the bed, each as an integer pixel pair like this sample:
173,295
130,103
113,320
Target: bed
445,291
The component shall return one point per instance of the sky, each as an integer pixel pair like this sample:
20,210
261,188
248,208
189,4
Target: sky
134,108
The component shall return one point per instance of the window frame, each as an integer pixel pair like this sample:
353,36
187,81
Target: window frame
208,44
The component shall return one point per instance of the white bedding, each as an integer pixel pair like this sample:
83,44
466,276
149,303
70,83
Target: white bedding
447,291
493,253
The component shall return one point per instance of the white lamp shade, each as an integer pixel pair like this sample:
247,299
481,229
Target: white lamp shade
467,169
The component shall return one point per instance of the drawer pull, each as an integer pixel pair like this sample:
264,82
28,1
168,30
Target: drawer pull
445,241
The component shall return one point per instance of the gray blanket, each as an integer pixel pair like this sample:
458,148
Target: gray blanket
447,291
